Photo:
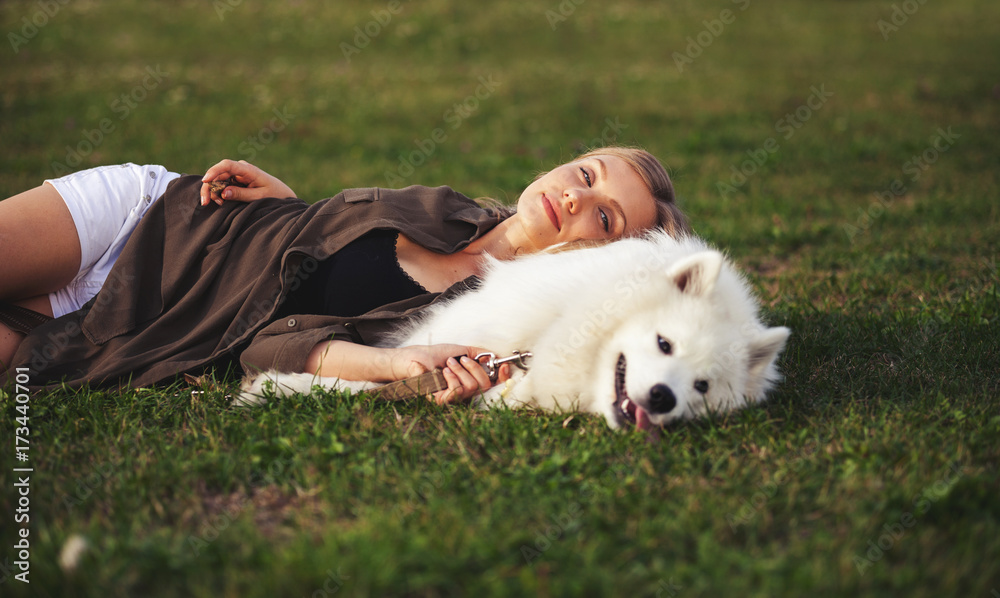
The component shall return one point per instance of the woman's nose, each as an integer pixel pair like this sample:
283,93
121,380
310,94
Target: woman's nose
575,199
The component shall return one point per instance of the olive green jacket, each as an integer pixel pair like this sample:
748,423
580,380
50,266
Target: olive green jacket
197,286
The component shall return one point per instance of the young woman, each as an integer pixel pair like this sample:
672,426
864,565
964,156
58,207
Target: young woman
150,274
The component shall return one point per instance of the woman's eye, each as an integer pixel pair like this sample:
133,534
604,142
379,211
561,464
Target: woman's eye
605,223
586,176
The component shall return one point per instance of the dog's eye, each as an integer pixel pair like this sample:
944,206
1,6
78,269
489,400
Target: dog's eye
701,386
664,345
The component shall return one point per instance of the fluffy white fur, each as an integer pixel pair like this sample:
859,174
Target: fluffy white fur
642,331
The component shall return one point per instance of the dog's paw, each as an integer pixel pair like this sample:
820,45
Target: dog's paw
257,390
507,393
253,391
491,397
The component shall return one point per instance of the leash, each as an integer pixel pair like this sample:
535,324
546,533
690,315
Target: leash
407,388
433,381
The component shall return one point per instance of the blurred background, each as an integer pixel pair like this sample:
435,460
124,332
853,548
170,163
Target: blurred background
334,95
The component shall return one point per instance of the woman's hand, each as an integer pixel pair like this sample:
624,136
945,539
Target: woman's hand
258,183
465,376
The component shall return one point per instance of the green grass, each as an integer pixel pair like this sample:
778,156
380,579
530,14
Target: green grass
885,430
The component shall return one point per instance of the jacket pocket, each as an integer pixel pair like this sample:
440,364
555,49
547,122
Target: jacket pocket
360,194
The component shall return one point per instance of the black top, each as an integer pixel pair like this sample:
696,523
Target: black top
195,283
362,276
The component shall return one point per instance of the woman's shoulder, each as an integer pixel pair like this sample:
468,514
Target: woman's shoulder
436,203
421,194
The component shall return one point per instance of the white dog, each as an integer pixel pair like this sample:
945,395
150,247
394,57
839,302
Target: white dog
643,331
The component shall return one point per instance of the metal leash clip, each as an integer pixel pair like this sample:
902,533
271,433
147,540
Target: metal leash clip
493,363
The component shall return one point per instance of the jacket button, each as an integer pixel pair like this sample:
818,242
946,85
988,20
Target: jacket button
291,322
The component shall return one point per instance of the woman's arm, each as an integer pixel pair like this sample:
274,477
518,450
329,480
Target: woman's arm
258,183
350,361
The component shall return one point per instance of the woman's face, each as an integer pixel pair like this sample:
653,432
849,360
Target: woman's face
599,197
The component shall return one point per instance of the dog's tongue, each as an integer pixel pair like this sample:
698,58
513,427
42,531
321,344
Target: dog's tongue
642,419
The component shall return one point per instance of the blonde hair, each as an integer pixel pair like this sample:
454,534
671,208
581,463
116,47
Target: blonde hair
668,216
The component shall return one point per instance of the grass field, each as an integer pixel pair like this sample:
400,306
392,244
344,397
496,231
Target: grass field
844,153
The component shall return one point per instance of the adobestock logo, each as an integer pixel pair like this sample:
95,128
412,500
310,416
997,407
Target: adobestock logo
788,125
364,34
267,134
453,117
940,142
30,26
562,12
901,13
714,29
123,107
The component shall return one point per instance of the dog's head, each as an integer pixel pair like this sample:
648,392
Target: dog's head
692,345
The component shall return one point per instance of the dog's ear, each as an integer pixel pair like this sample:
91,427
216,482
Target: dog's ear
762,352
696,274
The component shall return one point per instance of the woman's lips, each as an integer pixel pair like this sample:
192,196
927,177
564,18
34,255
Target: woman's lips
551,212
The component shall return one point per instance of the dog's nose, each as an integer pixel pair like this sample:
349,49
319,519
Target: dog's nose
661,399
